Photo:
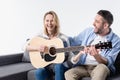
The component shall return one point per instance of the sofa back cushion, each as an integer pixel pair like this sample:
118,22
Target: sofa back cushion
117,63
11,59
26,57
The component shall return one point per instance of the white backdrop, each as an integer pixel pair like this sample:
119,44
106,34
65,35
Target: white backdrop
21,19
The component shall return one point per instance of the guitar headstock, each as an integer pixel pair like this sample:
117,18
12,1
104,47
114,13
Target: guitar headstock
103,45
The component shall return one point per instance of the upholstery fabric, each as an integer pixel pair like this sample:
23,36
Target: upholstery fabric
12,69
26,57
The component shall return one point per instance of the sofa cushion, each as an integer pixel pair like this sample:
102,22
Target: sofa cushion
13,69
31,75
10,59
26,57
86,78
117,64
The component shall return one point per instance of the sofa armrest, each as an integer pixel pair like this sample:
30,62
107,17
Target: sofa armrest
10,59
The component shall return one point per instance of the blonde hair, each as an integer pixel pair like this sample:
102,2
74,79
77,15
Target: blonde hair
57,26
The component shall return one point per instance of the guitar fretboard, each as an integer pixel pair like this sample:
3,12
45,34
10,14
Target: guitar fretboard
105,45
68,49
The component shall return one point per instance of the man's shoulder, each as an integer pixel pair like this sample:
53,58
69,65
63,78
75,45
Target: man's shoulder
116,38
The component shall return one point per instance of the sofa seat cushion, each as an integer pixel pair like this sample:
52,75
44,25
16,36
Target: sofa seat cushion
31,75
115,77
13,69
86,78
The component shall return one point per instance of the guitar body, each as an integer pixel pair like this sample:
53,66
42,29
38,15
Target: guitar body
38,60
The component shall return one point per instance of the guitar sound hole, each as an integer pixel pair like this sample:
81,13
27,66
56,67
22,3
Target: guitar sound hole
52,51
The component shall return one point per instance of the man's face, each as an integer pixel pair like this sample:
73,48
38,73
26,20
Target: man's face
98,24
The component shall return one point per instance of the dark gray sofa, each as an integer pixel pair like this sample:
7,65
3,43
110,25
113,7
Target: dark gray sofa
14,67
111,77
18,67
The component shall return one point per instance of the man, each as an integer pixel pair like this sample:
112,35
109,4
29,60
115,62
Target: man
96,63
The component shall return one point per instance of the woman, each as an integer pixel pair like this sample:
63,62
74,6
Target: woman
51,31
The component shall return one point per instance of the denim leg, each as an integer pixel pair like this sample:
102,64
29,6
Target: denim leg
59,71
41,74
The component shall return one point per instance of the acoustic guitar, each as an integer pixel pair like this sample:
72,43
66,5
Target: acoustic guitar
55,52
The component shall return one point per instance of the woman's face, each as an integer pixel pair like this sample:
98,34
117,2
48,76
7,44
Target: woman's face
49,23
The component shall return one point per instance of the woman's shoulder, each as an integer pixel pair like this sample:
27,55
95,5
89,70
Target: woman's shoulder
42,35
63,36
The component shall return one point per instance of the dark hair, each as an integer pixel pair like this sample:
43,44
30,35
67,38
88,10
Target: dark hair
106,15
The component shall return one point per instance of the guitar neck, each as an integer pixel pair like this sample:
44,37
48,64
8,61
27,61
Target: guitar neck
68,49
105,45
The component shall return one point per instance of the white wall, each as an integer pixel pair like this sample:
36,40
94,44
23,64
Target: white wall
21,19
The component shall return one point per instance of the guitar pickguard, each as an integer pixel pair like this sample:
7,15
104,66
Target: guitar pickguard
48,58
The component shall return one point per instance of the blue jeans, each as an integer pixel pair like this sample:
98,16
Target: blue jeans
44,73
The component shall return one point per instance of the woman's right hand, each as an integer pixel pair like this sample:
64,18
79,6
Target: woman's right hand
40,48
43,49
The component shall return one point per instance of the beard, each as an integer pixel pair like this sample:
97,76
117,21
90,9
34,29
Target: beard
98,30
